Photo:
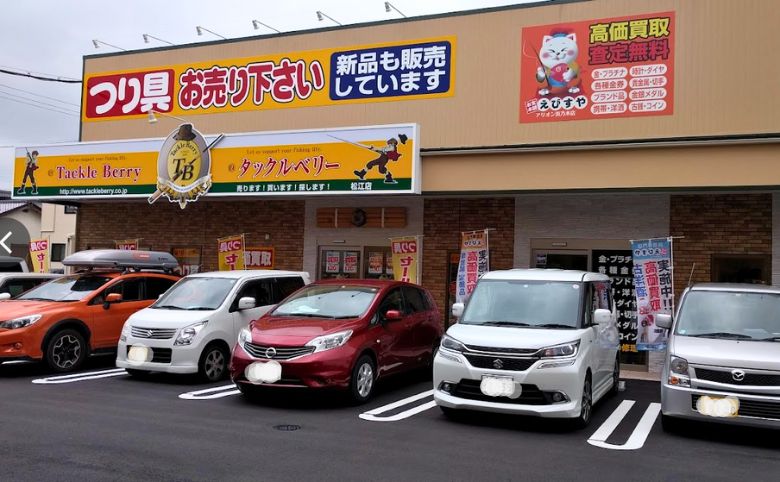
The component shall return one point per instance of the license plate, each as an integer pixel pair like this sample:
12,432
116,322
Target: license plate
264,372
493,386
139,354
720,407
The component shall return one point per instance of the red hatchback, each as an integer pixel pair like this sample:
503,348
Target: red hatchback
339,333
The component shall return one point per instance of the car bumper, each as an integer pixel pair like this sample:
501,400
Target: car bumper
755,410
183,359
538,387
328,369
19,344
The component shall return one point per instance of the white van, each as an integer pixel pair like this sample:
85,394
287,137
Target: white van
194,325
540,342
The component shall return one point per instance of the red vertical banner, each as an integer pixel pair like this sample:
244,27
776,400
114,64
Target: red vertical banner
474,262
595,69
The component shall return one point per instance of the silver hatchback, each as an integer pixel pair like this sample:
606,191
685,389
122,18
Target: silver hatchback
723,362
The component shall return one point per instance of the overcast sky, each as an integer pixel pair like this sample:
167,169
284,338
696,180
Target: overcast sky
51,36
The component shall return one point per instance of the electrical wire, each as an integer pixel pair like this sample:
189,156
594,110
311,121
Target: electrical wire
36,101
40,77
40,107
37,72
40,95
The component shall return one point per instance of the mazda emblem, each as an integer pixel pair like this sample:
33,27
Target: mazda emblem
738,375
498,364
270,352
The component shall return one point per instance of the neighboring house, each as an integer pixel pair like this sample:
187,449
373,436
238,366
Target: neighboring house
42,220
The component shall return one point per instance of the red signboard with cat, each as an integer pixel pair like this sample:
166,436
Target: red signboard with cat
595,69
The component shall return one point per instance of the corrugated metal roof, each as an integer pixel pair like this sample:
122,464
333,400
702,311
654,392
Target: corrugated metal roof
6,206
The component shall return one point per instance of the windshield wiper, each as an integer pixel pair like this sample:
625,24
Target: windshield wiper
505,323
168,307
770,338
36,299
554,325
304,315
723,334
199,308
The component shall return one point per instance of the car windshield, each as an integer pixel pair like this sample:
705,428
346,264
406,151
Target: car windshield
196,294
535,304
328,301
69,288
730,314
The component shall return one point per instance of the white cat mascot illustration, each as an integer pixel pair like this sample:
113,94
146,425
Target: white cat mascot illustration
559,72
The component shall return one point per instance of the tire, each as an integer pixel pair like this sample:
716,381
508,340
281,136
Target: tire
615,378
66,351
363,380
586,405
213,364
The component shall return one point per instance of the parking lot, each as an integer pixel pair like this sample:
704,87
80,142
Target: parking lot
100,424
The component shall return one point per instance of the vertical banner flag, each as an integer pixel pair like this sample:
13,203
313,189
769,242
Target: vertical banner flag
231,253
654,289
127,245
406,251
39,254
474,262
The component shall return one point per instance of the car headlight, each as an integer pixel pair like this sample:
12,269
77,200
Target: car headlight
678,372
188,333
125,332
245,335
20,322
328,342
560,351
451,343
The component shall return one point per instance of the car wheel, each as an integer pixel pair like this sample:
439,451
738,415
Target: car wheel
213,365
615,377
586,405
66,351
361,384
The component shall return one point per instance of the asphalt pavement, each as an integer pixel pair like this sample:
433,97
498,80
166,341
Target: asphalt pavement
103,425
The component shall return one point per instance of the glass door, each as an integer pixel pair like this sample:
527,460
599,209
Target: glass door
560,259
341,262
378,262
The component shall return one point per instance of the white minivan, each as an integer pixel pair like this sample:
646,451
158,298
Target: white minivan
540,342
192,327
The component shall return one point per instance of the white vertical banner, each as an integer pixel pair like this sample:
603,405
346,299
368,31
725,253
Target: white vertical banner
653,274
474,262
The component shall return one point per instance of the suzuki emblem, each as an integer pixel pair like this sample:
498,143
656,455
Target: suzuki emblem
498,364
149,333
738,375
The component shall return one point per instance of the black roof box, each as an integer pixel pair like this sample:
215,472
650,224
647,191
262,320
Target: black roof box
122,259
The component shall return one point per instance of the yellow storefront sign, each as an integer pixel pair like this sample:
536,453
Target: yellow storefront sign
406,254
231,252
40,255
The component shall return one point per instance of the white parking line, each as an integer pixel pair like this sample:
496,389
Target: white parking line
638,436
213,393
371,415
80,377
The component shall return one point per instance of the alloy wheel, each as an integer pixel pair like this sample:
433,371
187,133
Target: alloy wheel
66,351
215,364
587,403
365,379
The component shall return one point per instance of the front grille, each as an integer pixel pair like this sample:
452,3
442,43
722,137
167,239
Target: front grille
531,395
152,333
504,351
159,355
752,379
500,363
752,408
282,353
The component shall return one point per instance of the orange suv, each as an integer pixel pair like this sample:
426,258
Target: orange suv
67,319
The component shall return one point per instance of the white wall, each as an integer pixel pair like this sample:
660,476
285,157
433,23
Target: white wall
59,227
352,236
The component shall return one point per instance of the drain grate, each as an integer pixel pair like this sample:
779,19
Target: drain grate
287,428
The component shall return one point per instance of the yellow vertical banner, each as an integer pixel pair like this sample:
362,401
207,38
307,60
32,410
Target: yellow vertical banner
406,253
40,255
231,252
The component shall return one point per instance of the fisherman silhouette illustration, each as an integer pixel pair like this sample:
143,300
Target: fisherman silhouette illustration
386,154
29,173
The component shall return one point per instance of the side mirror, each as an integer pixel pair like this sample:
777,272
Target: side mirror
663,320
602,316
112,298
5,296
246,303
457,310
393,315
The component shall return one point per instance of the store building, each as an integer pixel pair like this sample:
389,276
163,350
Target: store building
650,125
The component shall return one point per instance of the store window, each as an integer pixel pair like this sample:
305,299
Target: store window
339,263
379,262
753,269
